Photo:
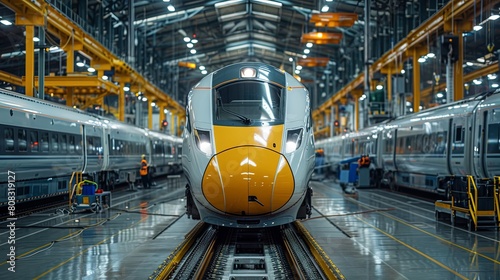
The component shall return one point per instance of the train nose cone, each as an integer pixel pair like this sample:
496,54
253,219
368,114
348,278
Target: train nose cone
248,180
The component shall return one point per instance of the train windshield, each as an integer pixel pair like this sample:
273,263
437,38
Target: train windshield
248,102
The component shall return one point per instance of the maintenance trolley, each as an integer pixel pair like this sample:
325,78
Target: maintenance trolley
86,195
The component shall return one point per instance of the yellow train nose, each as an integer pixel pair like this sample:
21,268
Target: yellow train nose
248,180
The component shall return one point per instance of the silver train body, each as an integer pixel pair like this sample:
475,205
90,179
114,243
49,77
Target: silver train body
426,149
248,147
42,143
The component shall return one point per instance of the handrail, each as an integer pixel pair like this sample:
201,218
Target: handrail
78,178
472,199
496,185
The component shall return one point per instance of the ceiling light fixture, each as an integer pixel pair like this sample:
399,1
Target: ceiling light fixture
492,17
5,22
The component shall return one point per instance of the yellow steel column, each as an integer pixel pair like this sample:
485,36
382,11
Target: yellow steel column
174,128
30,60
121,103
70,68
389,87
337,117
150,114
162,116
357,93
458,70
416,81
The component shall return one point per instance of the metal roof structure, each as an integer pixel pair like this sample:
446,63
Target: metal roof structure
149,35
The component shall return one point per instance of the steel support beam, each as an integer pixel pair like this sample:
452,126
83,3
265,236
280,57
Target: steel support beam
454,9
30,60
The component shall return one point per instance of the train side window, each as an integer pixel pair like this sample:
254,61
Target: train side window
62,185
458,134
78,144
90,145
44,188
44,141
9,139
71,144
36,190
98,145
493,138
22,140
34,141
64,143
188,121
112,149
55,142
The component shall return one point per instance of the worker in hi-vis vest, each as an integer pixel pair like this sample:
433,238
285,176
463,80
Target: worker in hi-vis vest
144,173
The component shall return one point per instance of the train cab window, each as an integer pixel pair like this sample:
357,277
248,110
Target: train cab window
44,141
9,139
22,140
55,142
64,143
34,141
248,101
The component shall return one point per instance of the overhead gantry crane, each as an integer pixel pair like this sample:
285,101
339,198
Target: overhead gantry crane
73,39
455,18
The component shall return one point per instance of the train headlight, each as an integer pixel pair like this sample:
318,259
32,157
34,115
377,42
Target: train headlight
248,72
203,141
293,140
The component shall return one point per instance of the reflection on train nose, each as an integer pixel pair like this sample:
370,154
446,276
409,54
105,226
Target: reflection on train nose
248,181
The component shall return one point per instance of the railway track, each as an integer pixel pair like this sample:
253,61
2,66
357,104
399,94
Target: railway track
30,207
285,252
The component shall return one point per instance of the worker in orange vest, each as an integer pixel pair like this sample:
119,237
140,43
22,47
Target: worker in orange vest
144,173
364,161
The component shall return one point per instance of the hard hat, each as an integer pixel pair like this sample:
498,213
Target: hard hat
143,156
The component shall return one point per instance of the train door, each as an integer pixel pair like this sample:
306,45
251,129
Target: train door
105,148
491,145
84,148
456,148
480,144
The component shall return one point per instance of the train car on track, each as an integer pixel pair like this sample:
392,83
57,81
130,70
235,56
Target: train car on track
43,143
426,150
248,147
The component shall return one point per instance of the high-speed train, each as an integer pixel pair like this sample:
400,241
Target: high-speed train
248,147
425,150
43,143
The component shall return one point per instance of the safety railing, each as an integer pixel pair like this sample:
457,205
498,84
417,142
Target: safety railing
78,176
472,194
496,185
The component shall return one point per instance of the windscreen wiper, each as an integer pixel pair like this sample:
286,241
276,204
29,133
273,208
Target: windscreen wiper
243,119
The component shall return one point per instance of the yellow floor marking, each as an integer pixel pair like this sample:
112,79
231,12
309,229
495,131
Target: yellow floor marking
80,253
416,250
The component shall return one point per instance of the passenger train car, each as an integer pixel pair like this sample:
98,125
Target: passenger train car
248,147
42,143
426,149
